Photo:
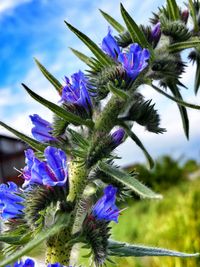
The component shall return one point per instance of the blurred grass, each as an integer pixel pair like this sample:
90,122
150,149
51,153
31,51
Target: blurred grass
172,223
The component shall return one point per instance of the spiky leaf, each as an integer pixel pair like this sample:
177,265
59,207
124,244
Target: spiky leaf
173,10
81,56
58,86
177,47
128,180
31,142
145,114
115,24
118,92
184,116
66,115
177,100
193,14
120,249
197,77
135,32
99,54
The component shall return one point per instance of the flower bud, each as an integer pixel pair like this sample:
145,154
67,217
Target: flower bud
185,15
117,137
156,33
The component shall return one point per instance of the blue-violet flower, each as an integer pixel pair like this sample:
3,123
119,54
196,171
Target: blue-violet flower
156,33
135,60
117,137
42,130
109,45
75,93
52,172
10,203
105,208
27,263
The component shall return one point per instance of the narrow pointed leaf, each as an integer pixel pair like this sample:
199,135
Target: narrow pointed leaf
136,34
99,54
37,240
115,24
81,56
197,78
120,249
31,142
173,10
177,47
128,180
62,113
117,92
58,86
184,116
139,143
177,100
193,14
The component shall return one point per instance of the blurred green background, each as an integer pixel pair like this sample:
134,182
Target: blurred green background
172,223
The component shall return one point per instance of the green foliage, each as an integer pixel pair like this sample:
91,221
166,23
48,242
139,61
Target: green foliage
128,180
104,60
120,249
136,34
174,222
58,86
184,116
173,10
145,114
115,24
177,100
177,47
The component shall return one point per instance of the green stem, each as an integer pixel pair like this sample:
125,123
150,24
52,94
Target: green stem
58,247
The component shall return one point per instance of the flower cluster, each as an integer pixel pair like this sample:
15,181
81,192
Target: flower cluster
134,61
11,203
52,172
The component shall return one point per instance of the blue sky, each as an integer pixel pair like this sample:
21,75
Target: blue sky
35,28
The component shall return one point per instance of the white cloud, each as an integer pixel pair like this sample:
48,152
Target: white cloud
6,5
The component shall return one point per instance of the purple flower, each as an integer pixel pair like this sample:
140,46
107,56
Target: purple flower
31,173
52,172
110,46
27,263
135,60
105,208
10,203
42,130
76,93
156,33
117,137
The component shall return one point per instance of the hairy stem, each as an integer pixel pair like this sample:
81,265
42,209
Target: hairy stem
58,247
